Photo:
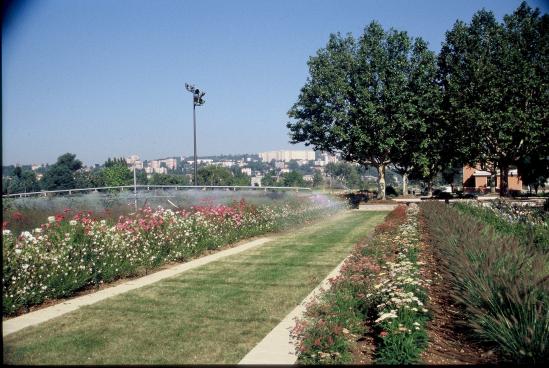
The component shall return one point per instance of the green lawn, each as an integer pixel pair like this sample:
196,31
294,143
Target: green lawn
212,314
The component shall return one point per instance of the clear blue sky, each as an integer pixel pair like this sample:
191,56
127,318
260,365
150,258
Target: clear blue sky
105,78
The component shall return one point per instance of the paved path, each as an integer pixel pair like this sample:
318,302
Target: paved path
377,207
278,347
33,318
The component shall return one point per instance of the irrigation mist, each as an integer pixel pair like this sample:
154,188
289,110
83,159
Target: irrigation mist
29,212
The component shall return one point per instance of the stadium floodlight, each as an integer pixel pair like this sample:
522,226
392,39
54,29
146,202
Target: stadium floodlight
198,100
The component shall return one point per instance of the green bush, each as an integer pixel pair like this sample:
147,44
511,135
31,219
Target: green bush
501,281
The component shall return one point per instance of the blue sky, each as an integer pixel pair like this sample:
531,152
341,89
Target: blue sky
105,78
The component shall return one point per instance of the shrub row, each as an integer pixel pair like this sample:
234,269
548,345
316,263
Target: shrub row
529,225
502,283
379,286
69,253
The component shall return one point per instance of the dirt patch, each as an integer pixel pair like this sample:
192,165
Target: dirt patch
448,339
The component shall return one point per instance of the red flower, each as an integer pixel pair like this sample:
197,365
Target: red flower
59,218
67,210
5,225
383,333
17,216
316,342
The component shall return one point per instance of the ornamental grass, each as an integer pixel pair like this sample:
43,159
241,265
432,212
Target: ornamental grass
501,282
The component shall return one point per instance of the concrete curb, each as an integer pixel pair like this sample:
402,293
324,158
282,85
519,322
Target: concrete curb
33,318
278,346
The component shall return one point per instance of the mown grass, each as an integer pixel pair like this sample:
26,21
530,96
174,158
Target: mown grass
213,314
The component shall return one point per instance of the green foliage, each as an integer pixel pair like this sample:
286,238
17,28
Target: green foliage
369,99
318,180
166,179
345,173
292,179
502,284
21,181
533,170
214,175
495,78
61,175
269,180
117,174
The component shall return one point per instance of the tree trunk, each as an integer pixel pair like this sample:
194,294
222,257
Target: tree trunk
494,179
404,184
381,181
430,188
504,180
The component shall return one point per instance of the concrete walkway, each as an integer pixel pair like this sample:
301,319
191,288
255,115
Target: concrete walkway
278,347
377,207
33,318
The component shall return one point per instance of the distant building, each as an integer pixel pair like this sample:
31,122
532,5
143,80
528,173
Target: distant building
256,181
227,163
287,155
280,165
132,159
171,163
308,178
246,170
477,179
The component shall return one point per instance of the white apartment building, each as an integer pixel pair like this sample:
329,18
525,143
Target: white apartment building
156,170
171,163
246,170
287,155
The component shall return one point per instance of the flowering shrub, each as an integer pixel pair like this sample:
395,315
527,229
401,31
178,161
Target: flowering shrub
374,288
401,315
66,254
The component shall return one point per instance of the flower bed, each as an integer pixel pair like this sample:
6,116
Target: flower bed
71,252
376,288
501,283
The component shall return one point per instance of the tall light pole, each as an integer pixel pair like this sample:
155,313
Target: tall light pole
198,100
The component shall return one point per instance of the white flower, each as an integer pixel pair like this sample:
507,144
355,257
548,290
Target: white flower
384,316
6,232
38,230
51,219
18,251
73,222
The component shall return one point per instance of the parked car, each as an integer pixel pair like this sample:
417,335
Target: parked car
443,195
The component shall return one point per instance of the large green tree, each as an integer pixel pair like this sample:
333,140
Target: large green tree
61,175
362,97
495,78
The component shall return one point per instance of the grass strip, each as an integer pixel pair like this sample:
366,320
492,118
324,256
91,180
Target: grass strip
213,314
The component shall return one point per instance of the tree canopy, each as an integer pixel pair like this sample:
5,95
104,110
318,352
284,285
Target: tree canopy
364,97
494,77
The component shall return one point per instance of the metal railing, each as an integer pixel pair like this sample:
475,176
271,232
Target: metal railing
149,187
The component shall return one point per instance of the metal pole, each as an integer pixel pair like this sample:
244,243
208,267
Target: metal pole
194,130
134,188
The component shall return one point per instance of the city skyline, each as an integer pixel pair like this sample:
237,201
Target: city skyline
103,79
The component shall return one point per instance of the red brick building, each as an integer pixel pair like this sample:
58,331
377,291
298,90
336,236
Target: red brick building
477,179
